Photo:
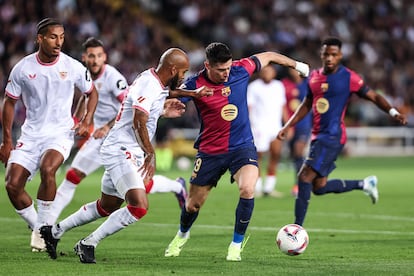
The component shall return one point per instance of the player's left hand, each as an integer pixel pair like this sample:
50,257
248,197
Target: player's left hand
401,118
302,68
173,108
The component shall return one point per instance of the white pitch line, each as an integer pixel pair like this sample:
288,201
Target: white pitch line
273,229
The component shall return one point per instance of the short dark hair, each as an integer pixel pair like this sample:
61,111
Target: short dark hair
218,52
332,41
46,22
92,42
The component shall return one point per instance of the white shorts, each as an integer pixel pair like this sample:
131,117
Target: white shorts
88,158
121,171
29,150
264,136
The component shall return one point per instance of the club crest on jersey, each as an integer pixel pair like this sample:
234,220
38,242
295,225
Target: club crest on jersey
226,91
324,86
63,75
229,112
98,85
322,105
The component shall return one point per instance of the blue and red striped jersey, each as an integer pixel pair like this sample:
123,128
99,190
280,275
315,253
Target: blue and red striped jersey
224,117
330,96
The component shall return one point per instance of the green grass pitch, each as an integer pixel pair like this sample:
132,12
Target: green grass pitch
348,235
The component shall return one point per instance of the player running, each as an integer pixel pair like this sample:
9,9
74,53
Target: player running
112,88
45,82
329,90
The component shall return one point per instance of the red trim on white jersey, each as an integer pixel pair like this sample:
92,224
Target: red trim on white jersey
44,63
122,95
156,76
140,108
11,96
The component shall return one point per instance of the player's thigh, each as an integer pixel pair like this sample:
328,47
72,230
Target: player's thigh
123,177
61,143
322,156
88,158
26,154
208,169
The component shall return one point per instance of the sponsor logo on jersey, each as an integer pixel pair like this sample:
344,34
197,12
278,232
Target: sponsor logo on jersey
63,75
226,91
229,112
293,104
322,105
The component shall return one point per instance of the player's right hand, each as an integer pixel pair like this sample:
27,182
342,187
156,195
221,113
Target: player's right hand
148,168
5,150
282,134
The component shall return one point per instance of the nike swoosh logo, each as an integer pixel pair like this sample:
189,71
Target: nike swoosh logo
244,221
252,160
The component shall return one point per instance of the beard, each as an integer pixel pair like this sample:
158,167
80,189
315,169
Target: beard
173,82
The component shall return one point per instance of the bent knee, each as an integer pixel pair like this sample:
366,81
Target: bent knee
193,208
14,188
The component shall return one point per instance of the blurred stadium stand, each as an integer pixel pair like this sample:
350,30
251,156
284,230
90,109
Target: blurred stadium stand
378,36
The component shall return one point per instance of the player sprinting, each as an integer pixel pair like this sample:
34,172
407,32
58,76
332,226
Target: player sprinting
112,87
45,82
329,90
225,141
266,99
128,157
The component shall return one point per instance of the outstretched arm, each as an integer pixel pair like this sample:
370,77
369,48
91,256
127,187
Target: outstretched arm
301,112
198,93
385,106
272,57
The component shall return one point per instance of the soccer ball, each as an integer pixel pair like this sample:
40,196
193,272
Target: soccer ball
183,163
292,239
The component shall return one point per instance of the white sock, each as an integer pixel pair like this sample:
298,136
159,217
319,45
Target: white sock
270,183
29,215
118,220
163,184
64,195
259,185
44,216
183,235
84,215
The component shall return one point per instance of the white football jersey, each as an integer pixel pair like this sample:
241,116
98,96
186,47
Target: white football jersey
110,85
146,93
47,91
266,103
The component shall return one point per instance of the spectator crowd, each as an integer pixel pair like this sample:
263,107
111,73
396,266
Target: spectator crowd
377,34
